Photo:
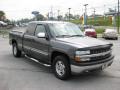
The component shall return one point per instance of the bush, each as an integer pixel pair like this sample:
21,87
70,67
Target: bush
99,30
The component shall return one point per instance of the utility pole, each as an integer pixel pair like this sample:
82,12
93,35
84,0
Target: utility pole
118,16
115,17
85,14
94,16
104,11
69,13
58,15
51,13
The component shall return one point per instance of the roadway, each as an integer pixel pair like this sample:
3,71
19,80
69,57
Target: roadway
24,74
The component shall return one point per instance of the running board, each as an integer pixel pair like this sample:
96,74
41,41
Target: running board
46,65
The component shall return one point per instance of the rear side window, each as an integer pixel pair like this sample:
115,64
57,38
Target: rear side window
39,28
31,29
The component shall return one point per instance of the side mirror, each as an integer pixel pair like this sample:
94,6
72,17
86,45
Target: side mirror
41,35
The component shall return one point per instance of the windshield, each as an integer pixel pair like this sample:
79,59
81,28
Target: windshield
65,29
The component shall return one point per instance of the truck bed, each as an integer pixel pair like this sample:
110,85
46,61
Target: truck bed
19,30
17,34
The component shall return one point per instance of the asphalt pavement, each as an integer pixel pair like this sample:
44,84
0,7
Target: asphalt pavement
24,74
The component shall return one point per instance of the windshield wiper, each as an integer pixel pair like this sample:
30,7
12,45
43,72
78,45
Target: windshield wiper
77,35
70,36
63,36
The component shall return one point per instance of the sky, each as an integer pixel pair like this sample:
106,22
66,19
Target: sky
17,9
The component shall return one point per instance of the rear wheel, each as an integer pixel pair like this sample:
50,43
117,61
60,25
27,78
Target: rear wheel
15,50
61,67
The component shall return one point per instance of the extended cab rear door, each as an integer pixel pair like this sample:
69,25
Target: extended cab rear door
28,39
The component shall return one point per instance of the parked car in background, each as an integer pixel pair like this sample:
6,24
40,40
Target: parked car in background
110,34
90,31
3,24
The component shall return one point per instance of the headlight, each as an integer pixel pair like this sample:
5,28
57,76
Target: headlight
80,53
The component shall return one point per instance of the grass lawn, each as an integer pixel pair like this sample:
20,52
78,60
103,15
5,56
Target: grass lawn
99,30
4,33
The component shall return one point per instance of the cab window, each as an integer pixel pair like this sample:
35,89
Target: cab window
39,28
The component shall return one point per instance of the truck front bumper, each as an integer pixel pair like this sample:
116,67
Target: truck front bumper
103,65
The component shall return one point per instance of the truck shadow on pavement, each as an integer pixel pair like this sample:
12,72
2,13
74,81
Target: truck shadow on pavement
40,67
84,76
32,66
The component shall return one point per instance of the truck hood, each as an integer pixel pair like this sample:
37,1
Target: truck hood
81,42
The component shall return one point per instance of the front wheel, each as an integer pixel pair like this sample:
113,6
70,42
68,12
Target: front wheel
116,38
61,67
15,50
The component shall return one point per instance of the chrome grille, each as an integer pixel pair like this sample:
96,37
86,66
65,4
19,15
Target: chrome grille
99,50
100,57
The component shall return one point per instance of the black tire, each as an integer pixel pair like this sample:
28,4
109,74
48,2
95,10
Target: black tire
66,73
106,38
116,38
15,50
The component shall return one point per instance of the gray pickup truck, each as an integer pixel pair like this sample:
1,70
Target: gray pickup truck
61,45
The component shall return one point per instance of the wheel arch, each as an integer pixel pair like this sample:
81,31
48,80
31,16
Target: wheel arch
56,53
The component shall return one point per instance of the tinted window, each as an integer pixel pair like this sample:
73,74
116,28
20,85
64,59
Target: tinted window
39,28
62,29
31,28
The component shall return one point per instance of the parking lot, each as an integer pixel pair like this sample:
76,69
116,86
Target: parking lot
24,74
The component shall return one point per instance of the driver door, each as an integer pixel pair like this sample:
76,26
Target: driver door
40,46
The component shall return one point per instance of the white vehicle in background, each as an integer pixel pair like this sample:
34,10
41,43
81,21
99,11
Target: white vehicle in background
3,24
110,34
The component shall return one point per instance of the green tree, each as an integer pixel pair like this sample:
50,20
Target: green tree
60,17
2,15
39,17
67,16
77,16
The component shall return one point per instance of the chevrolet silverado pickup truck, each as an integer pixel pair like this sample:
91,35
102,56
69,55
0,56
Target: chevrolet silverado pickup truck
62,46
